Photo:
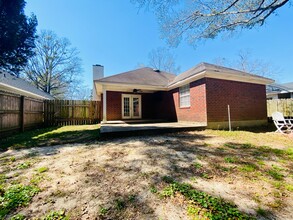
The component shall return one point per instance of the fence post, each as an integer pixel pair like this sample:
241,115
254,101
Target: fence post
22,113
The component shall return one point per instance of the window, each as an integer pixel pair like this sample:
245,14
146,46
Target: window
184,96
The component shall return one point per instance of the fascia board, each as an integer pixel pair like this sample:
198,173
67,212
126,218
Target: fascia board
238,78
203,74
132,86
24,92
187,80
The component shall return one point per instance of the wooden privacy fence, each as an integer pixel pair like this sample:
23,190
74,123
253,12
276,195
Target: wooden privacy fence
281,105
71,112
18,113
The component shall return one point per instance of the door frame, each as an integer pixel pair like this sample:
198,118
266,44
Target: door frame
131,96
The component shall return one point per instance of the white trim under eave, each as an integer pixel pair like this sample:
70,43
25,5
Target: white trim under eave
198,76
223,76
135,86
187,80
239,78
24,91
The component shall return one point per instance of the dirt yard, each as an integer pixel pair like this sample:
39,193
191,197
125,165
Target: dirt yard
133,178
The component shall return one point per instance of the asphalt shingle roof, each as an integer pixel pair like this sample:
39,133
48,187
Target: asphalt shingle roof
18,83
211,67
147,76
142,76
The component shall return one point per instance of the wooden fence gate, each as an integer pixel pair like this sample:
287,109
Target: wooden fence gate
71,112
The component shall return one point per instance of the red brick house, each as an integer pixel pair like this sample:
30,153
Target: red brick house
200,95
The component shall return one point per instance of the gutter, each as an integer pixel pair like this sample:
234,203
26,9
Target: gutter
24,91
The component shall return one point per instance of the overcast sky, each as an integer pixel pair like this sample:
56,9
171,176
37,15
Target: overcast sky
115,34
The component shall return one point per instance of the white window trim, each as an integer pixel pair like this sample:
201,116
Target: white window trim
131,106
185,95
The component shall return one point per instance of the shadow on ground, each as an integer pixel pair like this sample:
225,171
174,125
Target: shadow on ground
48,137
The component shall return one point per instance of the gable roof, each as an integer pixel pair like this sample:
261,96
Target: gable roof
212,68
16,85
149,77
143,76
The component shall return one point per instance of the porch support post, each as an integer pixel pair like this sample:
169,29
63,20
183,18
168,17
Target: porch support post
104,104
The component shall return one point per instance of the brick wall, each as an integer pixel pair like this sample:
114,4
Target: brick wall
197,110
247,101
114,105
208,97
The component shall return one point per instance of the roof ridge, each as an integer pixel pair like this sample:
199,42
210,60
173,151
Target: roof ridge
118,74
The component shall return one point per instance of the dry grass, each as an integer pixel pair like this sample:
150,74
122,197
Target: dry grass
126,178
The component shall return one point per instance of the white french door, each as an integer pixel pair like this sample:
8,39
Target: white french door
131,106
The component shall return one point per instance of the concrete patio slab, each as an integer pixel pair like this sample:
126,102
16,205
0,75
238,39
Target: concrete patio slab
122,128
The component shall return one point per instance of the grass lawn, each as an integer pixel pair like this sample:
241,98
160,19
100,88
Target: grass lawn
189,175
51,136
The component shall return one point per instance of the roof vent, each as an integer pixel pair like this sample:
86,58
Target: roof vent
156,70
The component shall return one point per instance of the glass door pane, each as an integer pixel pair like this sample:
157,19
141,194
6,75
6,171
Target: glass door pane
126,107
136,110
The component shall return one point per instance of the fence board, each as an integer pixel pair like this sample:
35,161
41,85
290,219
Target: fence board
72,112
18,113
281,105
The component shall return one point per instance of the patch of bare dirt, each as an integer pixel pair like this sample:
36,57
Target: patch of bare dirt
112,179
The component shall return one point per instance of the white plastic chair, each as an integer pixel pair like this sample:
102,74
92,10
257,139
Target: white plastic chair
281,122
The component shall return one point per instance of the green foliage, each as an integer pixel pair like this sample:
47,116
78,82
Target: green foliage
205,175
230,145
2,178
103,211
56,215
216,207
261,212
275,172
248,168
16,196
289,187
42,169
18,217
197,165
119,204
193,210
230,159
24,165
168,179
167,191
131,198
36,179
17,35
153,189
12,159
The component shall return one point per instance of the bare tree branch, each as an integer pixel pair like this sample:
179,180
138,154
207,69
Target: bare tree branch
56,67
162,59
199,20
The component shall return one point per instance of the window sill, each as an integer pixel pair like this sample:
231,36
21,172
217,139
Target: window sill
184,107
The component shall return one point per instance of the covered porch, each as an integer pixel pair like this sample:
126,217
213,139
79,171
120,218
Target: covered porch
145,127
